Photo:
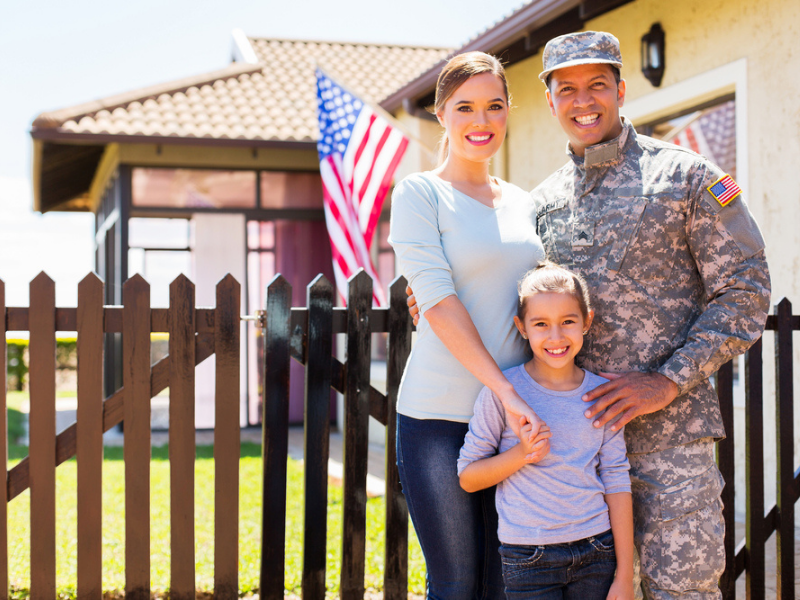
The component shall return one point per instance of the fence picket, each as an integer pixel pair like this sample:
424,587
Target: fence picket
181,437
42,377
316,443
356,443
136,380
275,442
89,437
3,448
727,466
226,440
754,472
113,408
784,436
395,575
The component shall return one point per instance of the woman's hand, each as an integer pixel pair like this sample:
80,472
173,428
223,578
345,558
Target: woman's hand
518,413
413,309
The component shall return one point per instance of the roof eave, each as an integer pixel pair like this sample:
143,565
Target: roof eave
536,15
56,135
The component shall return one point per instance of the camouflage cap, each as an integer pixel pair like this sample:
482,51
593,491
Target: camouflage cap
581,48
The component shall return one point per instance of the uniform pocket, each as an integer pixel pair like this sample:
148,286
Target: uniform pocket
691,495
692,527
651,241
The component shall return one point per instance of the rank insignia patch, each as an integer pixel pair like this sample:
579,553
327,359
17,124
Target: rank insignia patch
724,190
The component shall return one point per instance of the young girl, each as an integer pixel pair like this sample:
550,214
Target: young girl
565,518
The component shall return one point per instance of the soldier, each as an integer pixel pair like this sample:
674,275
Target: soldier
675,263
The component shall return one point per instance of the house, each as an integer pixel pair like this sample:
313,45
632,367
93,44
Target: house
724,65
213,174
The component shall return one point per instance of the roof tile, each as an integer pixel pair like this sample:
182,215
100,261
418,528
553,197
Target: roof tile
274,100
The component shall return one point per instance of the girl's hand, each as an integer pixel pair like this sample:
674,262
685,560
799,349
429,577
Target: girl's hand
621,590
537,448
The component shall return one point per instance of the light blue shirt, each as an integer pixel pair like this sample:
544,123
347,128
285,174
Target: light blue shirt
448,243
560,498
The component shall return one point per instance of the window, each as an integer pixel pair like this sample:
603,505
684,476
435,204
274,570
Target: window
193,188
159,250
710,131
291,190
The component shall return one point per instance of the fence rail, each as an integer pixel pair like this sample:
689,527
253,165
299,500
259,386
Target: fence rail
304,334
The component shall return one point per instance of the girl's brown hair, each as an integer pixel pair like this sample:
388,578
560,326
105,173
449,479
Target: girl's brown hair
457,70
549,277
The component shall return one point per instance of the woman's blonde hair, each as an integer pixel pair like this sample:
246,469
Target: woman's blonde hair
457,70
548,277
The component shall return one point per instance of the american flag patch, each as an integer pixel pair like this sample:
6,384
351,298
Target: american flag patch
724,190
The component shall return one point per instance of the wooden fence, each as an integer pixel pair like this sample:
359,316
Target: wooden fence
304,334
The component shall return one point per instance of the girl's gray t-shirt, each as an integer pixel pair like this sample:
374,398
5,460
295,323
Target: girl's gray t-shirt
559,499
448,243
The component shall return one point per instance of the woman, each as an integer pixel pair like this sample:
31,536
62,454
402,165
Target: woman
463,239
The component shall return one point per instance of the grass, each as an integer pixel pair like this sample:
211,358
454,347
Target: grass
249,527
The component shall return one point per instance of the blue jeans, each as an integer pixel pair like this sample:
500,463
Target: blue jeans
457,530
581,570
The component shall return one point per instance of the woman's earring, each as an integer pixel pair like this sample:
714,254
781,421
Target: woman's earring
585,332
524,337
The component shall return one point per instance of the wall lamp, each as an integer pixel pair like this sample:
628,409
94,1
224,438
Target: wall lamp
653,54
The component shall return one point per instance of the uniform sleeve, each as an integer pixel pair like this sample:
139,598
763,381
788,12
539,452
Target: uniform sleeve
728,249
485,430
614,467
414,234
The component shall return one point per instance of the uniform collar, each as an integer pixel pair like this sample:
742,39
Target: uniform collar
607,153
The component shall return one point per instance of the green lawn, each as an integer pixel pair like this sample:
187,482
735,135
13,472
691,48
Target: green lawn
249,527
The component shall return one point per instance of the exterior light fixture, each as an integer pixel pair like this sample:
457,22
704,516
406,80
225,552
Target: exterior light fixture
653,54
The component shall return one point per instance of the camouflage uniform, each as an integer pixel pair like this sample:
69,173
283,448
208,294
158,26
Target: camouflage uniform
680,286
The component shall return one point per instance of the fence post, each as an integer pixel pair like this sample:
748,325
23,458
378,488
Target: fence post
136,381
3,450
395,576
89,434
275,437
754,472
727,466
316,442
784,436
42,450
356,435
226,439
181,437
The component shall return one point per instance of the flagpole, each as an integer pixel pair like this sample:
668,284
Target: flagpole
385,114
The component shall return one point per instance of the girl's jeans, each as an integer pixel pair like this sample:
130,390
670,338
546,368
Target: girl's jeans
457,530
580,570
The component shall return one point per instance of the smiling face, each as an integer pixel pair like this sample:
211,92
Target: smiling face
586,100
553,324
475,117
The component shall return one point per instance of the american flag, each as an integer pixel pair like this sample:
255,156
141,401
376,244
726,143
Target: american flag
359,151
713,134
725,190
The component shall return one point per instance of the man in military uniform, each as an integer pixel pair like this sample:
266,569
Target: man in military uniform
675,265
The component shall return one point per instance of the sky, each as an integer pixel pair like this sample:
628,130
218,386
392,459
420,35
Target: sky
56,54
